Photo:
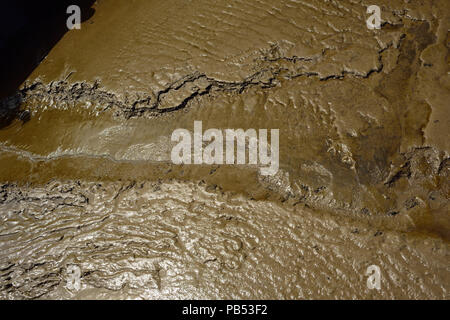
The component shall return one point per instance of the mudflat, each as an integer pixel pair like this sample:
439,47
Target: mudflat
87,178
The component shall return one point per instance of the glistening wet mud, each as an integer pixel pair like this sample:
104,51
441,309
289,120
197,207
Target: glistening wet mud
364,165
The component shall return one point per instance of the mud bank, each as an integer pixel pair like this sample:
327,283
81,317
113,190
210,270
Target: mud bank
87,178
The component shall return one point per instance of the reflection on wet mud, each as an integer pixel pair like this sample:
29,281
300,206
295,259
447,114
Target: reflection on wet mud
88,182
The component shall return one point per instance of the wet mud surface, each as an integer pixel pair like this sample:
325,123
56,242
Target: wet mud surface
87,180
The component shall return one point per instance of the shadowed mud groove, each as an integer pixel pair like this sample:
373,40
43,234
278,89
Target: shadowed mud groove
87,181
62,92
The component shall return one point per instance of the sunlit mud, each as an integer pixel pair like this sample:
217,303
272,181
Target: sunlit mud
87,179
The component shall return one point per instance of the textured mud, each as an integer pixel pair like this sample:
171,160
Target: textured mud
364,154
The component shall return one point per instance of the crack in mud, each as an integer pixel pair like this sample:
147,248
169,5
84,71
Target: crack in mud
65,93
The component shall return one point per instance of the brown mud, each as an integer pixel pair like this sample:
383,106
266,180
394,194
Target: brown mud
87,178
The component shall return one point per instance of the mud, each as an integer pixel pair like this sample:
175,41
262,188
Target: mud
87,178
